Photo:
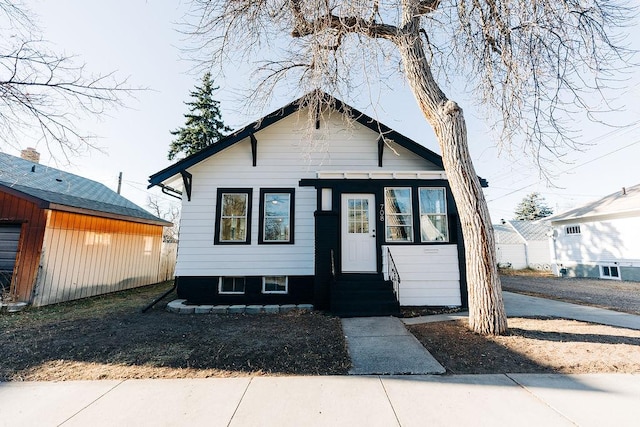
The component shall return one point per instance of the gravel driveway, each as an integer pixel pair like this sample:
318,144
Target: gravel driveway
611,294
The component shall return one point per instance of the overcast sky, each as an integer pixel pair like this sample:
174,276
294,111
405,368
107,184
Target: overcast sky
139,39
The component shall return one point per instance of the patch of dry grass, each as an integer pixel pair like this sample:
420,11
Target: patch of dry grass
108,337
532,346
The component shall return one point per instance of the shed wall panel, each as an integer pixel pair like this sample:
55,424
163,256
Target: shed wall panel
514,255
85,256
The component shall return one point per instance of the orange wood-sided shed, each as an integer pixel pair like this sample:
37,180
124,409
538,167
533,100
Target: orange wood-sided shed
64,237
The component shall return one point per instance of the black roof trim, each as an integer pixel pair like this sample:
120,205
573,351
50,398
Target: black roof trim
283,112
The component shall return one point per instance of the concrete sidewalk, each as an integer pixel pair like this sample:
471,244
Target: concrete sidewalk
518,305
358,400
460,400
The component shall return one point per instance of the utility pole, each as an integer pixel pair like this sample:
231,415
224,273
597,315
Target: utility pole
119,182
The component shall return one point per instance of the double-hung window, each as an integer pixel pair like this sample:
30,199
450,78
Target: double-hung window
398,214
233,216
433,215
276,216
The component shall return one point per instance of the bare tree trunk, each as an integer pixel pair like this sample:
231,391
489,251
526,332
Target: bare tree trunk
486,307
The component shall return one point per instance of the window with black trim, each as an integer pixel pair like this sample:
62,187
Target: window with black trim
398,214
231,285
233,216
433,215
276,215
275,285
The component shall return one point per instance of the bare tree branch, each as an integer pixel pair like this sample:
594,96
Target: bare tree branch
533,64
43,95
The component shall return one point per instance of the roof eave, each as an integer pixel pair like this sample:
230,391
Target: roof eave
41,203
109,215
275,116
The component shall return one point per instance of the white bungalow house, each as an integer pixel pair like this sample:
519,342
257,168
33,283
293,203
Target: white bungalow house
268,220
600,239
523,244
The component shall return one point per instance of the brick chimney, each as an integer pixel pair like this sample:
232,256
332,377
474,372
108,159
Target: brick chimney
30,154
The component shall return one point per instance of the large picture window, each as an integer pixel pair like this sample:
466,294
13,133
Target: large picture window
276,215
433,215
398,214
233,216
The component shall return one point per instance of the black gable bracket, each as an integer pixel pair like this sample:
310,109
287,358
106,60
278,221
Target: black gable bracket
380,150
187,179
254,149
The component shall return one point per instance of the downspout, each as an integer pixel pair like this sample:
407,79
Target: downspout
161,297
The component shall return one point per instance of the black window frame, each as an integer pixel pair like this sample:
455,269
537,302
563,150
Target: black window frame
445,215
218,224
412,224
292,199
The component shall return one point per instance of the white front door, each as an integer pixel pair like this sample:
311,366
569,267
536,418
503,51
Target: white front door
358,233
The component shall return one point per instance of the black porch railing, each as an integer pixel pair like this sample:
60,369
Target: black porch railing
394,275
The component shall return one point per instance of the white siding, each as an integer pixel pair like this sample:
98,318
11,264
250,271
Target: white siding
538,255
429,275
512,254
613,240
283,159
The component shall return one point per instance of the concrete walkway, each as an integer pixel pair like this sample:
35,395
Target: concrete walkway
459,400
382,345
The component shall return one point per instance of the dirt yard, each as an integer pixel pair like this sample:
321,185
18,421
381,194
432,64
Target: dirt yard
108,337
544,345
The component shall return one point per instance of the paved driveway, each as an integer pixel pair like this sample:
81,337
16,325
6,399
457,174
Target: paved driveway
610,294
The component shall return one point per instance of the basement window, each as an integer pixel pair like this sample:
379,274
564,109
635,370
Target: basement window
609,272
231,285
274,285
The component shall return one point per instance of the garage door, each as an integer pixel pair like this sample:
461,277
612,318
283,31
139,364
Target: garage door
9,238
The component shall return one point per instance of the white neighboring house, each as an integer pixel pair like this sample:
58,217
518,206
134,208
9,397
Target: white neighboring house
600,239
266,220
523,244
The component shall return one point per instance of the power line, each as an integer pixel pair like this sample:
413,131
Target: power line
568,170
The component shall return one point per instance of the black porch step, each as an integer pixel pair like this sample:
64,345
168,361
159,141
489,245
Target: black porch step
355,295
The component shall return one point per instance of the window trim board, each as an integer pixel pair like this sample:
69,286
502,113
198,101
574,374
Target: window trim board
218,219
261,218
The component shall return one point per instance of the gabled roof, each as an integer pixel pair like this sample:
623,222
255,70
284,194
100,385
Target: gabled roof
515,231
55,189
506,235
626,200
531,230
281,113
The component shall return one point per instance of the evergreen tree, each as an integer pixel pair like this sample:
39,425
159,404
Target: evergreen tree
532,207
204,125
